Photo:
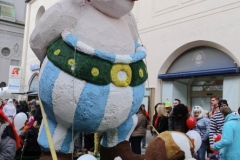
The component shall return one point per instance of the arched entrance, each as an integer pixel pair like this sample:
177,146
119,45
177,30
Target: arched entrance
199,73
33,87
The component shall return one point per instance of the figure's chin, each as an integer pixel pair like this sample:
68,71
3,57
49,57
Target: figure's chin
114,8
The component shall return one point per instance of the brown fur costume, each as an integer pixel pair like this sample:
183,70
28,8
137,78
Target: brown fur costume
163,147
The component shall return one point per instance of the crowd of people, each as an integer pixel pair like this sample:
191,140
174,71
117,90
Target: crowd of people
219,120
28,134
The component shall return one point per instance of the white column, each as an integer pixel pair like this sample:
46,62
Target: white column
180,92
231,91
167,90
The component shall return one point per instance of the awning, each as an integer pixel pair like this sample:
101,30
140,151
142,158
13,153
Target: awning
33,93
199,73
23,93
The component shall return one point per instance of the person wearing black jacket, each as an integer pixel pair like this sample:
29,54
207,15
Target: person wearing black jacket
38,113
177,120
31,146
24,106
160,120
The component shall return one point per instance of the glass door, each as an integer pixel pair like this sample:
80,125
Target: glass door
202,88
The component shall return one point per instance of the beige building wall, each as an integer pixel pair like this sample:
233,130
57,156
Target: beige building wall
167,28
35,10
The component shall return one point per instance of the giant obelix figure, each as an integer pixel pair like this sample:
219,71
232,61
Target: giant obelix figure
92,74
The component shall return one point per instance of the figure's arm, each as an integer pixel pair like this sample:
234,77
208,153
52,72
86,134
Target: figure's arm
130,19
170,123
227,138
14,113
212,130
49,29
207,123
164,125
7,148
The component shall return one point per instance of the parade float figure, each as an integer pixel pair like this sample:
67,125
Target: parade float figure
92,74
172,145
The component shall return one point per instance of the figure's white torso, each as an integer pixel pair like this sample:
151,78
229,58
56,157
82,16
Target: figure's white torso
183,142
87,23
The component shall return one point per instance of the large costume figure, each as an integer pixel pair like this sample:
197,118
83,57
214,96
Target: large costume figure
172,145
92,74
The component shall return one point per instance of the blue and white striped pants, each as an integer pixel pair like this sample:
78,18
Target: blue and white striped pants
74,105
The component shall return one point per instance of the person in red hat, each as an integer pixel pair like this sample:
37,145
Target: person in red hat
10,141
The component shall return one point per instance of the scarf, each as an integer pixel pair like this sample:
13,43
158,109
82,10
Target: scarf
156,121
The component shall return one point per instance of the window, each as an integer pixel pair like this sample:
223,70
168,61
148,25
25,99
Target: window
15,62
34,82
7,13
5,52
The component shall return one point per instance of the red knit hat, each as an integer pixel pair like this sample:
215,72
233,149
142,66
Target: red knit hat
17,138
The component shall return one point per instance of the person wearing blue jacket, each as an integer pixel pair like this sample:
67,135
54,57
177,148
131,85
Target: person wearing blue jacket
229,144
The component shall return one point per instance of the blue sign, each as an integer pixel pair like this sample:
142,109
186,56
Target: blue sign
34,67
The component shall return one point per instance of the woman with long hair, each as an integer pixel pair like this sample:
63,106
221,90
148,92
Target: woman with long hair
160,119
139,132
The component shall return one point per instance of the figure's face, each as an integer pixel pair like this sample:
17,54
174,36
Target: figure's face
196,114
168,109
223,105
113,8
214,102
175,102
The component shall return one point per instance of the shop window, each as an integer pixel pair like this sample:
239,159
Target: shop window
208,84
8,12
207,88
34,83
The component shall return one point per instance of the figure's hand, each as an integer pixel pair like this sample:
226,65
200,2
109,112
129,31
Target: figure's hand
211,148
65,33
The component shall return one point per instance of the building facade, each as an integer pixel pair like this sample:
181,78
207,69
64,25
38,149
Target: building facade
31,65
192,49
12,18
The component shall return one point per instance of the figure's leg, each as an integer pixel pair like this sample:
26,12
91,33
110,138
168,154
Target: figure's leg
136,144
144,142
115,142
63,140
202,151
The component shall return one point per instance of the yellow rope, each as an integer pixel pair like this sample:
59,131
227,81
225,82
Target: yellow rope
153,127
49,137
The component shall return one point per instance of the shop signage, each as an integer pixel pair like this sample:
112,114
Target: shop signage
34,67
15,72
14,84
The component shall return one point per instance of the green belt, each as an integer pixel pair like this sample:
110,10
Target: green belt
93,69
